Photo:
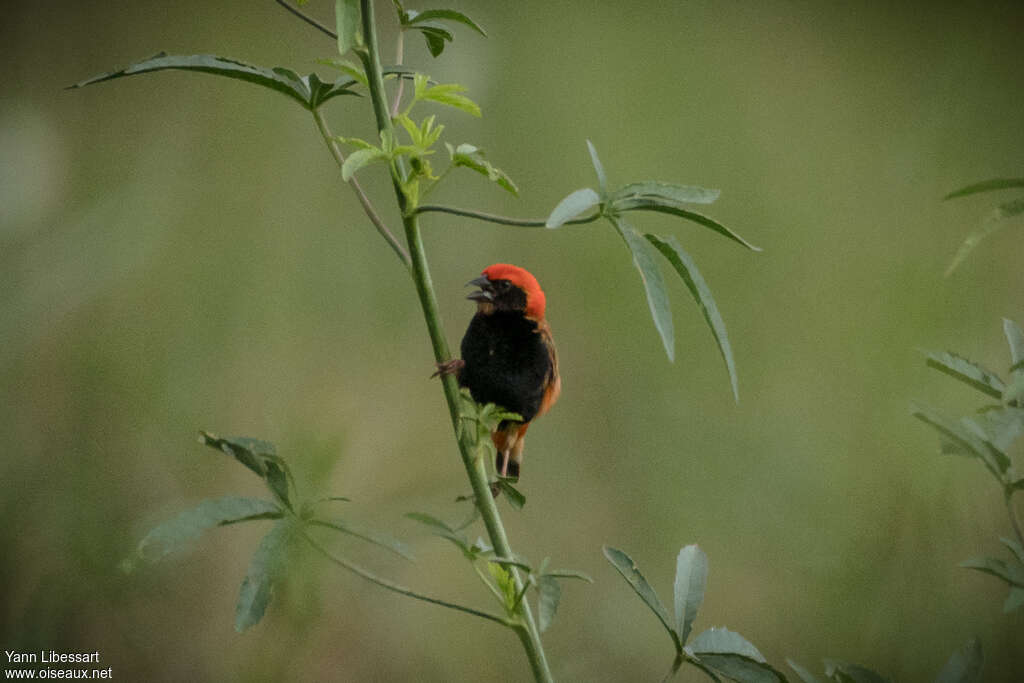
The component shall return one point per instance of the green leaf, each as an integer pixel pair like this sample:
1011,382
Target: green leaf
435,40
266,569
624,564
968,372
1000,426
573,205
654,284
368,535
449,94
733,656
1014,601
672,208
986,186
515,498
602,180
964,665
472,157
568,574
347,22
445,15
1010,573
687,269
1014,547
547,603
691,579
260,457
360,158
804,675
851,673
513,562
965,438
506,584
309,91
992,224
350,68
682,194
430,520
178,533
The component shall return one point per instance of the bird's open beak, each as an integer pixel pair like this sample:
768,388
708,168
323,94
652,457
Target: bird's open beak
482,294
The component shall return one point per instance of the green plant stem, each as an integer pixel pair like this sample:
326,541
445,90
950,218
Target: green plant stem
397,588
399,56
526,629
371,212
502,220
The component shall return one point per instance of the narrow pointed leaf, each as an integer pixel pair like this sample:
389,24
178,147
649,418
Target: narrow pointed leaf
472,157
517,562
358,159
347,23
994,223
259,456
573,205
1000,426
602,180
430,520
568,574
673,209
986,186
515,497
368,535
1014,601
178,533
446,15
1015,338
733,656
685,266
684,194
449,94
1013,574
966,441
266,569
964,665
1014,547
547,603
804,675
624,564
968,372
280,80
435,41
691,579
654,284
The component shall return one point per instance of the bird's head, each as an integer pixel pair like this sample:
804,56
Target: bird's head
504,287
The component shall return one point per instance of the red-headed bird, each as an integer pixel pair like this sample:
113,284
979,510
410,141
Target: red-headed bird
508,356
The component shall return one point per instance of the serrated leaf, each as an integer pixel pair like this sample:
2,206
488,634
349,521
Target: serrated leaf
547,603
1014,601
359,159
178,533
851,673
1001,426
370,536
686,267
1010,573
624,564
472,157
661,205
347,24
266,569
573,205
445,15
684,194
280,80
967,441
992,224
449,94
804,675
986,186
967,371
602,179
733,656
964,665
654,284
691,579
257,455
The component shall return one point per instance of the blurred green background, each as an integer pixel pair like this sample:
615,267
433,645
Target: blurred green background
177,253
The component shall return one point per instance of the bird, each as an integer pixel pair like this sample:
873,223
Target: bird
509,357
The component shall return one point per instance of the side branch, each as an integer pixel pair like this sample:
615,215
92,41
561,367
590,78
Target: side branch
501,220
308,19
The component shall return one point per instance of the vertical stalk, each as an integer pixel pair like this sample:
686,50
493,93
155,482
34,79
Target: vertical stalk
525,628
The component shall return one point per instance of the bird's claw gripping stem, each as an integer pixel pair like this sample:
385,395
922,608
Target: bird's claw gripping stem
449,367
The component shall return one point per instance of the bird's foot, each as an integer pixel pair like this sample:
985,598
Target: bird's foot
449,367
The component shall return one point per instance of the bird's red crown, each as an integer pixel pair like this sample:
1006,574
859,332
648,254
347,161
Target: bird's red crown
524,280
